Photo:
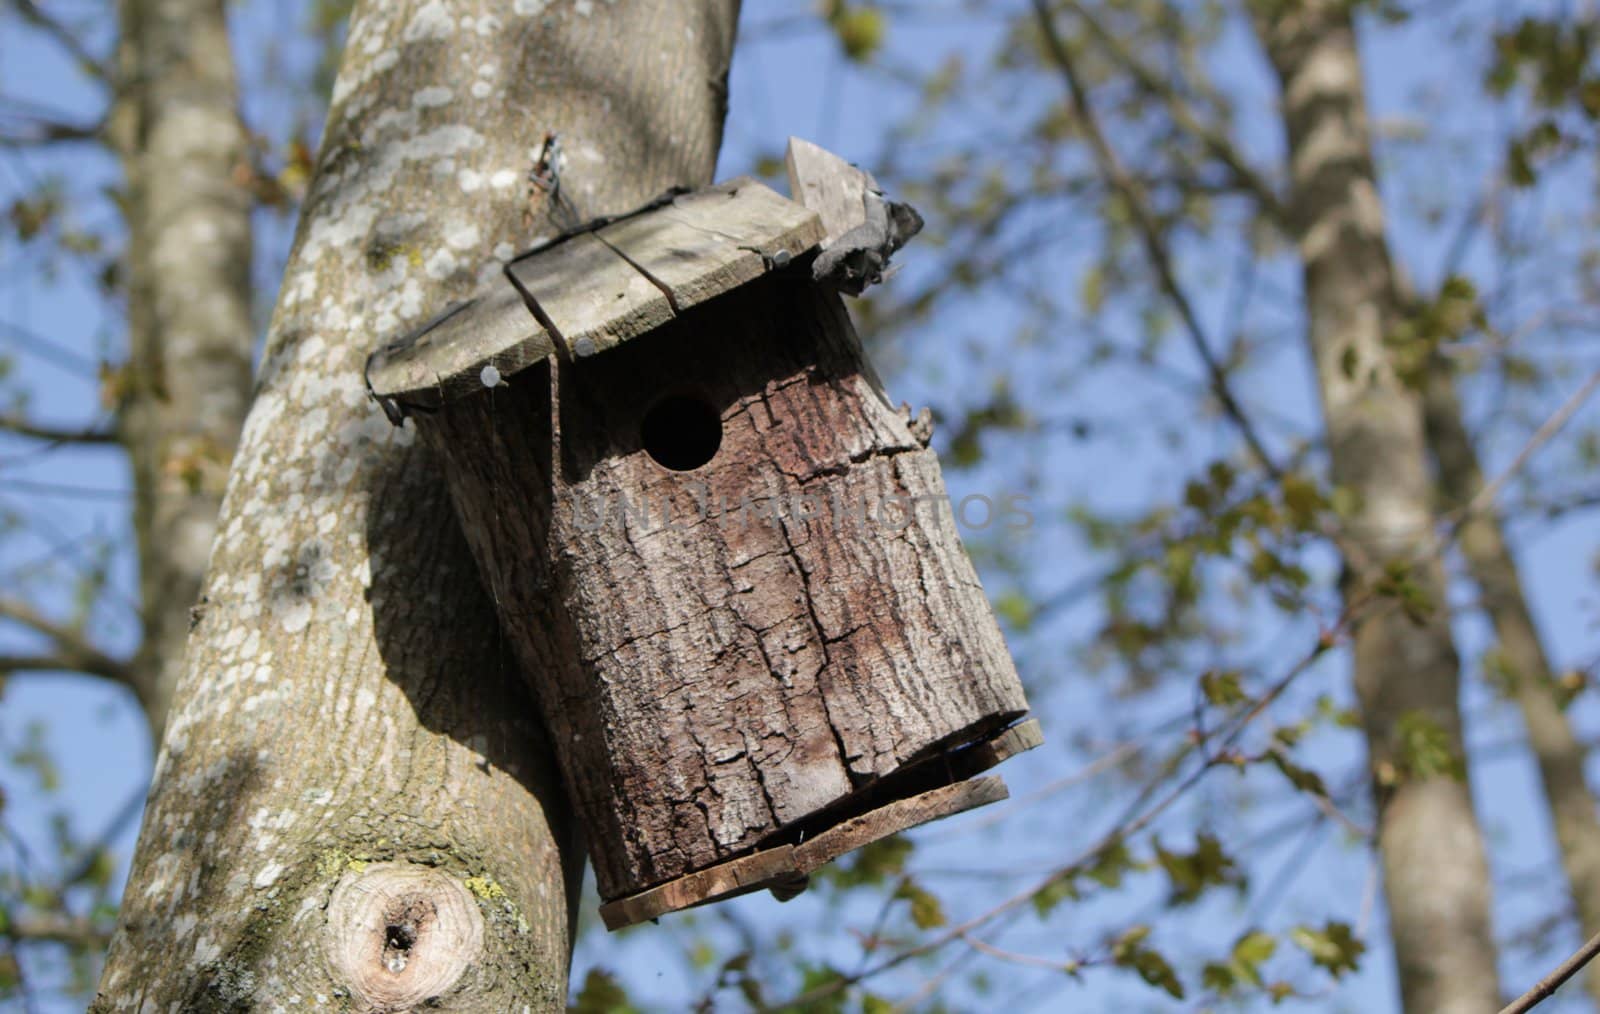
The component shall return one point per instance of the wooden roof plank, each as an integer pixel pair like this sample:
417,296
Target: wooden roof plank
589,295
595,290
827,184
691,264
751,215
446,357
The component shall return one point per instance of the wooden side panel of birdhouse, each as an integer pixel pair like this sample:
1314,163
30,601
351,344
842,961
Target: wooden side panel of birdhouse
727,656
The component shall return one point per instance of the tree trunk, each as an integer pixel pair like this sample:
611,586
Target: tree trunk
1521,657
1407,675
187,382
353,799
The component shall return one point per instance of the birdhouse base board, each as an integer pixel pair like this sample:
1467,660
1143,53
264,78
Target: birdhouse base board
785,869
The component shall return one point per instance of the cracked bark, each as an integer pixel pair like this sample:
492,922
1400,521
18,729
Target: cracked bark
1526,671
352,777
1436,877
177,130
732,666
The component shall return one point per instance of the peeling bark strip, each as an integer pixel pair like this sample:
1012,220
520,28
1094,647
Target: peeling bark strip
727,656
1436,878
346,698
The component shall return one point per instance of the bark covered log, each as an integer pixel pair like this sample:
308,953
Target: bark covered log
347,701
1407,673
728,656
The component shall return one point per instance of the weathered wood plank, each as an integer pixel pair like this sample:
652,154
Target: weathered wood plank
828,185
751,215
714,240
445,357
1020,738
590,297
689,263
739,876
593,291
897,816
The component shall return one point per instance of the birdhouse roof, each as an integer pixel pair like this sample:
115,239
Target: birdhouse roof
597,288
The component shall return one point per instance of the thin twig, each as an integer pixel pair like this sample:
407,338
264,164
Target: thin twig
1552,982
1121,831
50,25
1150,235
72,648
1211,138
1542,436
1014,957
21,427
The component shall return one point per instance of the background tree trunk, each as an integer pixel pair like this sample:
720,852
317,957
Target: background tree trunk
186,386
1407,676
1524,668
352,797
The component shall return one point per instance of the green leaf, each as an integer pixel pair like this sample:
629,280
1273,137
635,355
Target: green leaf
873,864
1060,888
1223,689
860,31
1333,947
601,994
1302,778
1129,951
1016,609
1109,864
1192,873
926,911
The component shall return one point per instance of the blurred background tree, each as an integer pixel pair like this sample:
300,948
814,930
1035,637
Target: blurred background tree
1163,237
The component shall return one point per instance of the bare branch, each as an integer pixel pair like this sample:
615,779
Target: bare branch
21,427
41,132
1550,983
1145,811
57,927
72,650
1212,139
1154,243
52,26
1546,431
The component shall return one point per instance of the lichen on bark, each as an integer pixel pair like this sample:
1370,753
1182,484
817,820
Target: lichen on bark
346,691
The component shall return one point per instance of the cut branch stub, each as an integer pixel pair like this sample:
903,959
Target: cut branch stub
398,936
729,567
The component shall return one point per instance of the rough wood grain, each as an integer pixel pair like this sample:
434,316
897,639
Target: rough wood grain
401,935
895,817
754,872
687,263
788,866
587,296
753,216
597,290
724,654
828,185
445,357
1020,738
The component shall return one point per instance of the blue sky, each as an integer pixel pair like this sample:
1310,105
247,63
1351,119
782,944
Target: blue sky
794,81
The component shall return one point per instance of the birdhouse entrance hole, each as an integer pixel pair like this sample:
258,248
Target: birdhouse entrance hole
681,432
807,667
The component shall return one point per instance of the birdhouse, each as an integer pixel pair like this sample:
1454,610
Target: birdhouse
726,561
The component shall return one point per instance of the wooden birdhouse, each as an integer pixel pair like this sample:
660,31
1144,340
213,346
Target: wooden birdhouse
727,562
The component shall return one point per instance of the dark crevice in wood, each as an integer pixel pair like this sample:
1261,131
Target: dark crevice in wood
666,290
